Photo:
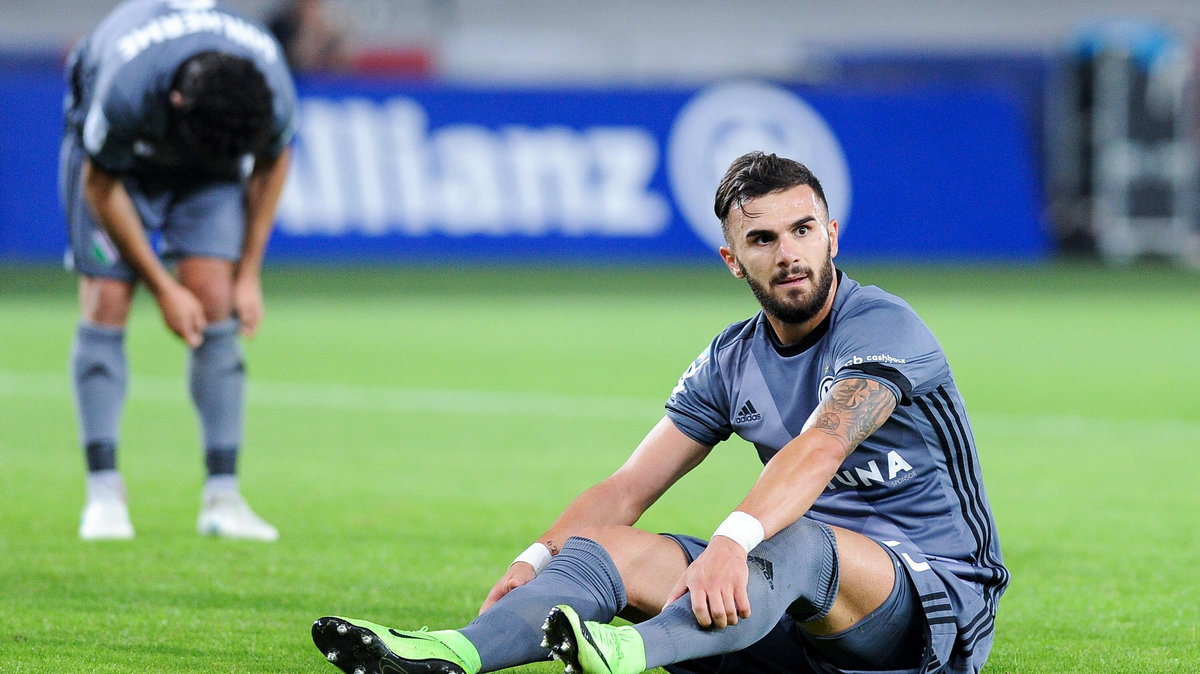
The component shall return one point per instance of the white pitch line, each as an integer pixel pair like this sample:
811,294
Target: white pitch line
349,397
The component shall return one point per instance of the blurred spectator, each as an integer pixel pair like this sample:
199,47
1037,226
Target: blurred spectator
311,41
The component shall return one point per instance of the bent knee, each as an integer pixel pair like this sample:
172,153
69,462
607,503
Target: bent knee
607,534
649,565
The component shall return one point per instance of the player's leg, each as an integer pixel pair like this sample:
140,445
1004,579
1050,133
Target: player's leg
828,582
610,570
217,383
642,567
203,232
99,369
99,376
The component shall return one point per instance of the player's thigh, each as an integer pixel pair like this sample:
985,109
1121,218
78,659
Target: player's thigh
866,577
649,565
205,220
90,252
105,301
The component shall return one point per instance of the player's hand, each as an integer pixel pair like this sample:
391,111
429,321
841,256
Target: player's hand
717,583
518,574
248,303
182,313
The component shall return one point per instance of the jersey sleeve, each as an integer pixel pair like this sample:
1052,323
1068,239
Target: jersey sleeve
697,402
109,132
284,92
886,341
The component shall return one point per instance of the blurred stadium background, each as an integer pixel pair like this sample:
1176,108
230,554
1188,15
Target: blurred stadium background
516,130
495,256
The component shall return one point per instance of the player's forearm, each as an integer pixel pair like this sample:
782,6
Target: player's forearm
602,504
792,480
114,209
263,191
662,457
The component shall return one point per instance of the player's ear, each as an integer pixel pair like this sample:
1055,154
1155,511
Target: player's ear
176,99
833,238
731,262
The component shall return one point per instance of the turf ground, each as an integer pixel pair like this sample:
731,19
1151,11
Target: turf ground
410,431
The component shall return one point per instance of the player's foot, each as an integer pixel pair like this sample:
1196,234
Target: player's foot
587,647
360,647
226,514
105,518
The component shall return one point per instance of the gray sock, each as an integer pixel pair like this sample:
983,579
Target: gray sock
105,484
795,571
217,377
581,575
99,375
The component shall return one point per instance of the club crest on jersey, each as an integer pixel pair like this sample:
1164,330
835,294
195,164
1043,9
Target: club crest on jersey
747,414
826,384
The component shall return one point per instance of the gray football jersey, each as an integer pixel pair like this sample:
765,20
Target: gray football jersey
120,75
915,480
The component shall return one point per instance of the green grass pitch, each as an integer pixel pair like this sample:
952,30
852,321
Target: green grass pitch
411,430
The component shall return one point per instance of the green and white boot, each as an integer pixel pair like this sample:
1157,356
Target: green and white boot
587,647
361,647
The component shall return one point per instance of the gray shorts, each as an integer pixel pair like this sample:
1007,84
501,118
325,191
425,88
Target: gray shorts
182,217
907,616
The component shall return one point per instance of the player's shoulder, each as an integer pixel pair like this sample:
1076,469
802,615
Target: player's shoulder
736,334
855,300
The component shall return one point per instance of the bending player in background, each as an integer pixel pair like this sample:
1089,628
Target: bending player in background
866,544
178,120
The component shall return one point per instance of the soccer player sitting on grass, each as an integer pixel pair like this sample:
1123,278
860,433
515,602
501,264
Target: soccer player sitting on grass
866,544
178,119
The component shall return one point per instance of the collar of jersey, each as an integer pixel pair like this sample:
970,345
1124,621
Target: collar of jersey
799,347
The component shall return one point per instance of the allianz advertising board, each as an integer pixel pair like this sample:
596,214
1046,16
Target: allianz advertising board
630,174
431,172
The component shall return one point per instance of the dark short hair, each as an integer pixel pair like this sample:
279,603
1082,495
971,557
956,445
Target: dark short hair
227,110
756,173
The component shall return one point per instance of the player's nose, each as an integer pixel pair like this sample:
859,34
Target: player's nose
788,252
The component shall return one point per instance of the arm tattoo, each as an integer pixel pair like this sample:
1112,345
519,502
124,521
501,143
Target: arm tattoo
553,548
854,409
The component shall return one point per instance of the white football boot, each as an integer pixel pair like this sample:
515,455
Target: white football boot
106,514
225,514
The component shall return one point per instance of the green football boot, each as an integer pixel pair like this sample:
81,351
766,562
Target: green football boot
587,647
361,647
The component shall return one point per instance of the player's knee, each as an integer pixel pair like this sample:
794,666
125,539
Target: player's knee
602,533
804,555
105,301
211,281
621,542
216,298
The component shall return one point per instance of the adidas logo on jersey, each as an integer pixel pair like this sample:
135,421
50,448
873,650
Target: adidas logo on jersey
747,414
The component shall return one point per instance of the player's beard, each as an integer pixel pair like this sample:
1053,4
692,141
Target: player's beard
802,308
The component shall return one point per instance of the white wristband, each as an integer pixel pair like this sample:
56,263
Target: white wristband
536,555
743,528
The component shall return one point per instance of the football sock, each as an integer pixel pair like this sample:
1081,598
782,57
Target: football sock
220,461
581,575
101,456
105,484
99,374
795,571
220,484
217,378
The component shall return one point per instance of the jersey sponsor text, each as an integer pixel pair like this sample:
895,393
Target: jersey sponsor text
872,474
